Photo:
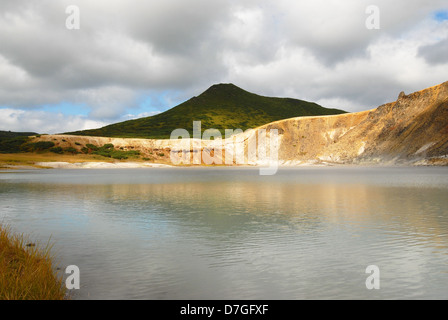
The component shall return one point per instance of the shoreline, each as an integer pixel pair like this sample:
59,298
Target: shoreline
33,161
101,165
45,165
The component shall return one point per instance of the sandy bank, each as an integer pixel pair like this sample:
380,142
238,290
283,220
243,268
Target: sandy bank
101,165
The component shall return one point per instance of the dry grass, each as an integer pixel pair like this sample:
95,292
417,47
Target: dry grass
27,272
29,159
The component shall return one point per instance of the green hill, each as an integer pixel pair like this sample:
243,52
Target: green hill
222,106
9,134
11,142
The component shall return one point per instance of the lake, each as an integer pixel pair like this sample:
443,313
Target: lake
229,233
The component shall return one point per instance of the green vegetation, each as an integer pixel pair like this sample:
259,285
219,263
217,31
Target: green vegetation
40,146
91,147
71,150
9,134
26,272
14,142
57,150
223,106
13,145
108,150
21,144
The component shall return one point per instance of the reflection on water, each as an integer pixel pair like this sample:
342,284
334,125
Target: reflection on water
232,234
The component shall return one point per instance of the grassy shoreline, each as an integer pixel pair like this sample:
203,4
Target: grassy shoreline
27,272
32,160
8,160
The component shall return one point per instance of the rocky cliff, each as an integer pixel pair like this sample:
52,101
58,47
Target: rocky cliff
413,129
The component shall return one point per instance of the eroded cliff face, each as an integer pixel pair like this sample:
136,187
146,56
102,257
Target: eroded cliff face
411,130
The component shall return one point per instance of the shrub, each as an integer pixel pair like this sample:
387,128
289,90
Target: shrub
132,152
108,151
78,144
57,150
38,146
43,145
119,156
92,147
71,150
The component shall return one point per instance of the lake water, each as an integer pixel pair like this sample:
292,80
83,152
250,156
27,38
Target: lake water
229,233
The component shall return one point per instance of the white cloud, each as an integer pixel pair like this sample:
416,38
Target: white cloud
44,122
316,50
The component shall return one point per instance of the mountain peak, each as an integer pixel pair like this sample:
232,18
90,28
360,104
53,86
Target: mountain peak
223,88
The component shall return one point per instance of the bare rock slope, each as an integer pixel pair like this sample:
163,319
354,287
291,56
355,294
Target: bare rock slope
413,129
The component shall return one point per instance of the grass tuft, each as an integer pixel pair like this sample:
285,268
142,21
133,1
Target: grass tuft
26,271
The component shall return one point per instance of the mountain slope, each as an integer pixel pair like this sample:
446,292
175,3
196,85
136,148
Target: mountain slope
413,129
10,142
222,106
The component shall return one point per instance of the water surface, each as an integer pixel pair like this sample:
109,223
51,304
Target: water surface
229,233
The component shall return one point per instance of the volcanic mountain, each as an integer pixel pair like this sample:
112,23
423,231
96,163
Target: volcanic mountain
222,106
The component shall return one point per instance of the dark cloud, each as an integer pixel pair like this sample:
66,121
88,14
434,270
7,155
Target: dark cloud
436,53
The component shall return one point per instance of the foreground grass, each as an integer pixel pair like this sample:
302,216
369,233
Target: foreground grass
26,272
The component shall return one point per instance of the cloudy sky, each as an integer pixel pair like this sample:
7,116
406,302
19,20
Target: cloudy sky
134,58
